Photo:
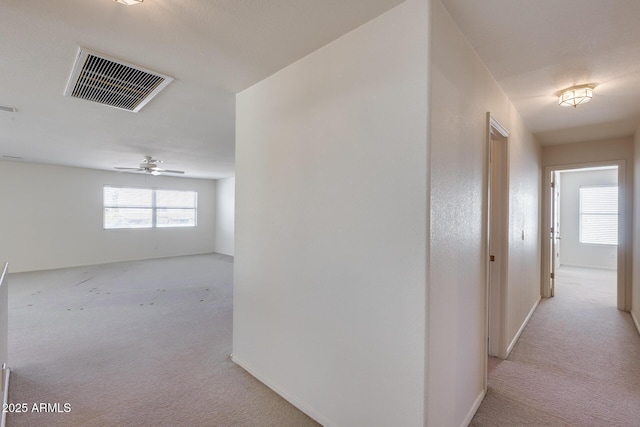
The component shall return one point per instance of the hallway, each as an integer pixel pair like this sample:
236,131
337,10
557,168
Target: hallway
576,362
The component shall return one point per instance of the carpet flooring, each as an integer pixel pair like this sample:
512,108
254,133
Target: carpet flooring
577,363
133,344
147,344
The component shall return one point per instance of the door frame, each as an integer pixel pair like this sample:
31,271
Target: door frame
494,324
623,288
554,225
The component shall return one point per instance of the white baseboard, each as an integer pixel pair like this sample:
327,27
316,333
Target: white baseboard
635,320
474,408
275,387
7,372
515,339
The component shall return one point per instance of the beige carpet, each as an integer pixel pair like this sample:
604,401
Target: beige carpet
577,362
134,344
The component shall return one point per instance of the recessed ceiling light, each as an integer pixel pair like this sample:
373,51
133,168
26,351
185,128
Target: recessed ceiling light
575,95
129,2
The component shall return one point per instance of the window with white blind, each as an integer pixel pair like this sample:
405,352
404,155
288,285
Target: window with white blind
126,207
599,215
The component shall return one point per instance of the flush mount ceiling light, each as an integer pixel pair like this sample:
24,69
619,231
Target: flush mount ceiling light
575,95
129,2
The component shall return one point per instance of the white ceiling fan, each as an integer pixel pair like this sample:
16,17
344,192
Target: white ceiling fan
150,165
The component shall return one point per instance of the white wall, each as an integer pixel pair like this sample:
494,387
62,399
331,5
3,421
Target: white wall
635,305
572,252
615,150
525,184
462,91
331,225
225,215
52,217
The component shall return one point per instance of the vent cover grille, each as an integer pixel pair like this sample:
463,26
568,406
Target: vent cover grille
112,82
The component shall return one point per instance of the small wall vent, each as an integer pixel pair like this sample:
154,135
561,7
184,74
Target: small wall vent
98,78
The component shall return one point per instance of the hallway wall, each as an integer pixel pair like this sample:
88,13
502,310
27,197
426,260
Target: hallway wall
635,304
525,183
462,92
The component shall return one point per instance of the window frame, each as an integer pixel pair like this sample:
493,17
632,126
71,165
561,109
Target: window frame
153,208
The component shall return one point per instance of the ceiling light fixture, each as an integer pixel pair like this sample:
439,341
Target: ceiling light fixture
129,2
575,95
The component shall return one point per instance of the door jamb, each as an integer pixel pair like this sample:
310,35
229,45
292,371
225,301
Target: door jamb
493,126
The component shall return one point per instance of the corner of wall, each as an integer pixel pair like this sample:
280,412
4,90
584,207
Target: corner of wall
322,230
225,216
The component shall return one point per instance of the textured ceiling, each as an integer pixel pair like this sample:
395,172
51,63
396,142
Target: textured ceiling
216,48
213,49
536,48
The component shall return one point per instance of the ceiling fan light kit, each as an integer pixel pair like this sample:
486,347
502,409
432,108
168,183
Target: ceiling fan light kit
150,165
575,95
129,2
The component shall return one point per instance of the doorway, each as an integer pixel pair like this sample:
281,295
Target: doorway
585,227
497,220
584,216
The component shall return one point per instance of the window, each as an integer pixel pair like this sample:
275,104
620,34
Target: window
175,208
599,215
148,208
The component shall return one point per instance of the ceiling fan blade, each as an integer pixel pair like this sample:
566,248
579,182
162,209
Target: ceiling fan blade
150,165
158,171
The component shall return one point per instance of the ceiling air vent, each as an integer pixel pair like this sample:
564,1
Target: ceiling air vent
112,82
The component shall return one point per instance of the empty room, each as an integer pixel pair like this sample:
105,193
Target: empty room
586,232
292,213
